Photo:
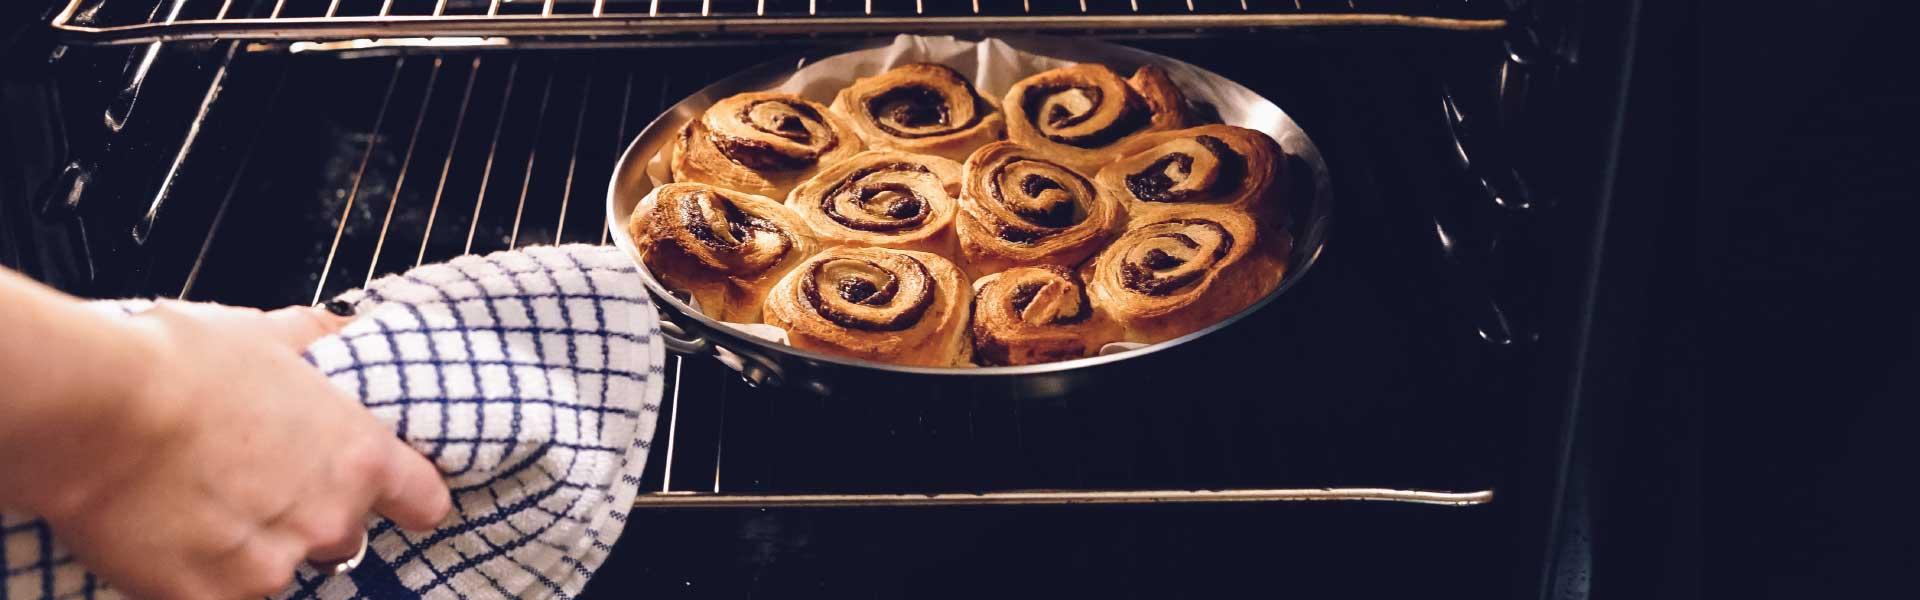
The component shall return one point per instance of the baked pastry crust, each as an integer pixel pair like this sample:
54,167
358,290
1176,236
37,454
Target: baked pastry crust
882,198
878,304
1030,315
1019,207
1077,114
1183,270
723,247
761,143
1210,165
1101,216
921,108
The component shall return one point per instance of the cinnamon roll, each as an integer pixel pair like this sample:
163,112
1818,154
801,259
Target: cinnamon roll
1214,165
725,248
1029,315
1183,270
1076,114
761,143
879,304
924,108
882,198
1019,208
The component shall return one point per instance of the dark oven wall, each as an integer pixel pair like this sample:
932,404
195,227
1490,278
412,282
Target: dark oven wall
1428,350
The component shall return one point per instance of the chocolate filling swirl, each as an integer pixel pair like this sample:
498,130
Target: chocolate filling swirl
910,111
1030,314
1219,171
1079,114
1173,254
724,236
922,100
1024,295
775,134
890,293
884,197
1038,198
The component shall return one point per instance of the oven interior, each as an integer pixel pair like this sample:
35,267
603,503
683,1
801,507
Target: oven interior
266,153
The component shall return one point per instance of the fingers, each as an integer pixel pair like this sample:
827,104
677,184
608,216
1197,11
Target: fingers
265,567
294,326
412,495
298,326
261,565
334,539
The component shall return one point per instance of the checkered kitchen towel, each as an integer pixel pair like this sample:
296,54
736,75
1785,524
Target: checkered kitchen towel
531,378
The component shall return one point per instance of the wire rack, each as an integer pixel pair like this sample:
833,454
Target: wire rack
306,192
122,22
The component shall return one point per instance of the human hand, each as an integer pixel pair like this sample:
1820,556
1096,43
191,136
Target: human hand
230,461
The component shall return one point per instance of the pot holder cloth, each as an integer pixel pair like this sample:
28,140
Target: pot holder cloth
531,378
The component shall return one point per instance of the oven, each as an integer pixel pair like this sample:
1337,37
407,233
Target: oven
1408,419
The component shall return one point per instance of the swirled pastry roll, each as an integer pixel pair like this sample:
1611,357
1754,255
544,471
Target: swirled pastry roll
1211,165
726,248
1029,315
1183,270
761,143
1020,208
921,108
1076,114
879,304
882,198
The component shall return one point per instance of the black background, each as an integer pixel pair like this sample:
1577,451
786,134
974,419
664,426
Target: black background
1807,313
1769,438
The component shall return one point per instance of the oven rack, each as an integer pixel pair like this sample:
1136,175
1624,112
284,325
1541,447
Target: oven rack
477,22
451,154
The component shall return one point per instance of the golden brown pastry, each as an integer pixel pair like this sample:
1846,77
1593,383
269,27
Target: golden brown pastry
1020,208
1076,114
1213,165
922,108
1029,315
1183,270
726,248
895,306
882,198
761,143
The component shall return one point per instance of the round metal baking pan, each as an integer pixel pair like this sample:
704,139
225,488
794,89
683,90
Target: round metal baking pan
767,362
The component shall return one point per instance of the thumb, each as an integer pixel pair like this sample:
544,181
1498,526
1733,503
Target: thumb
413,495
299,326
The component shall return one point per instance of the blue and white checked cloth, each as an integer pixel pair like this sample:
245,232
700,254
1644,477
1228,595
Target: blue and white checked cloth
531,378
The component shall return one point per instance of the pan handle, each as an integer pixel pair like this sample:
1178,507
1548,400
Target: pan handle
757,369
679,341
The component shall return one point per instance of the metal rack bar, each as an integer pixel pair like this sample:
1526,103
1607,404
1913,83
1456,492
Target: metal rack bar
226,199
446,165
673,426
533,153
144,227
346,211
486,172
1048,497
620,142
311,28
573,160
406,164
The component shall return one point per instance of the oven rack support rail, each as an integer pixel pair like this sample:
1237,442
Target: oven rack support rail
166,23
675,497
1057,497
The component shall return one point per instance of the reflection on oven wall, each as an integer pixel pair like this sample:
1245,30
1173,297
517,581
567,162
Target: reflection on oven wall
183,148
